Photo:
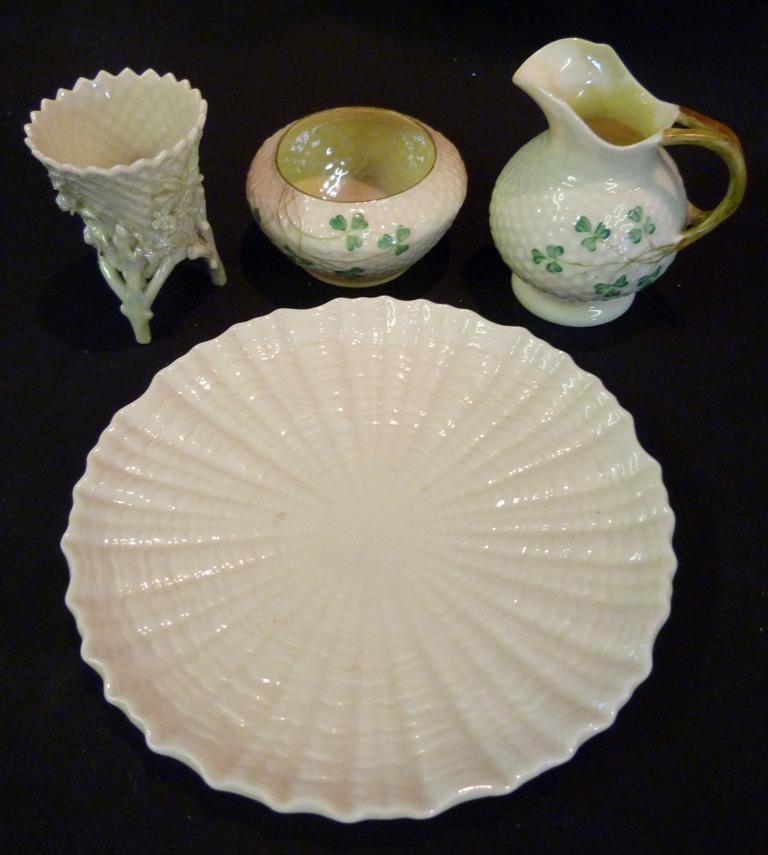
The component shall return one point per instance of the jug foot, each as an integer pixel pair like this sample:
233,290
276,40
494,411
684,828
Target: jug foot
569,313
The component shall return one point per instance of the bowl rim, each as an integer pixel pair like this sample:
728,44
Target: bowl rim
383,111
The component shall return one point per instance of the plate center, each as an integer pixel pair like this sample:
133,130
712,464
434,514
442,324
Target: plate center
374,529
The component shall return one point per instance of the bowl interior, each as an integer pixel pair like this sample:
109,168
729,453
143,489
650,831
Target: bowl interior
355,154
113,121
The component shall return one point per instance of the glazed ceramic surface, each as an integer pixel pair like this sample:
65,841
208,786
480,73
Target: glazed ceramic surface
122,152
594,209
370,560
356,195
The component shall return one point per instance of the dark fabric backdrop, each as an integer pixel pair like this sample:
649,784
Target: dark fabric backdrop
682,770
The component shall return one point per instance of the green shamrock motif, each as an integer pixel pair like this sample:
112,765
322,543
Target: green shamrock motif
554,260
617,288
613,289
357,224
295,257
648,227
398,241
353,242
645,281
600,232
352,273
552,253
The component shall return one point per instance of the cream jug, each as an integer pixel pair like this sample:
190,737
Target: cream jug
593,209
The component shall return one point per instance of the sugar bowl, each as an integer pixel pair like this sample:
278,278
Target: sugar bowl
356,195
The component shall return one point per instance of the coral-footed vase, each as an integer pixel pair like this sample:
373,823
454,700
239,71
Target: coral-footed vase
122,153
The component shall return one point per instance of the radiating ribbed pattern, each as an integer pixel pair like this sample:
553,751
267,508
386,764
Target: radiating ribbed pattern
371,559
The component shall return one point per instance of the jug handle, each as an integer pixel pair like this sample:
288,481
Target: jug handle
700,130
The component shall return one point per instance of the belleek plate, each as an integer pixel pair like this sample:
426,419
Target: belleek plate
370,560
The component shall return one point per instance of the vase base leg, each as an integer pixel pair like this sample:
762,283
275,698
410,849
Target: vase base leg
569,313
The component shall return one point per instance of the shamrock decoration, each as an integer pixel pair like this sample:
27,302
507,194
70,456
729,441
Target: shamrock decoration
552,253
648,228
612,289
358,223
398,241
600,233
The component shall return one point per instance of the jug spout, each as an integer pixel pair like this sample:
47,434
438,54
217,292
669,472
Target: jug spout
585,91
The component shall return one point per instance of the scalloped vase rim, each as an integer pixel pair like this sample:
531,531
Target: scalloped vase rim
142,163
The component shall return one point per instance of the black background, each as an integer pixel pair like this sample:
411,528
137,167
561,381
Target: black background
683,769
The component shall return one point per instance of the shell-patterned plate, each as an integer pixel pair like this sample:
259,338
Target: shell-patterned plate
371,559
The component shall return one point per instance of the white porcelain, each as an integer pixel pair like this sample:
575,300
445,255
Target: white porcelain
594,209
371,559
122,152
356,195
